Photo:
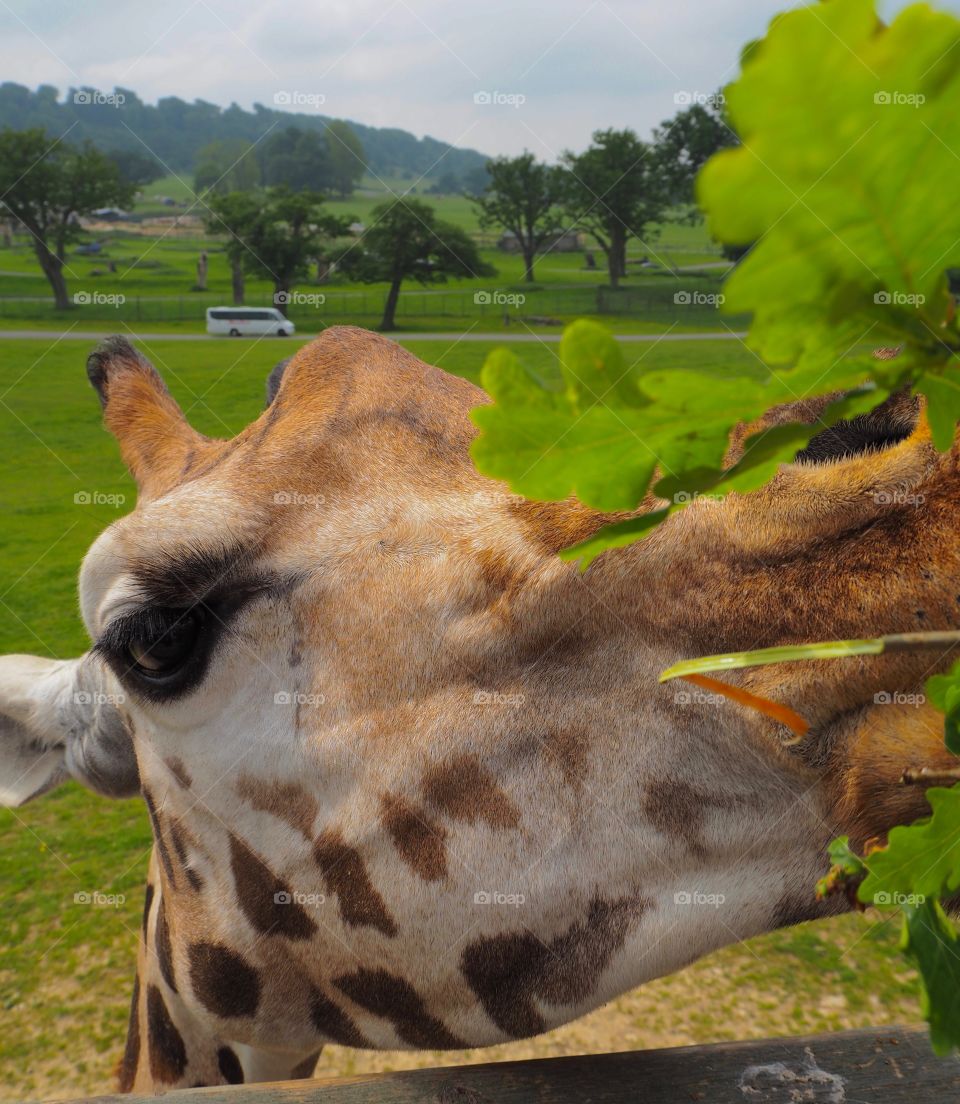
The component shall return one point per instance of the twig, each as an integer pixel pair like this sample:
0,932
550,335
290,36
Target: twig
930,776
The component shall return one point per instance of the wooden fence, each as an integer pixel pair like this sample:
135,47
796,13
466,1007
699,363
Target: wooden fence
877,1066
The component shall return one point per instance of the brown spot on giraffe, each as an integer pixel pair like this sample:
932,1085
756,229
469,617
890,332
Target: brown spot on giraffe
418,838
288,801
395,999
346,875
179,771
127,1067
223,981
678,809
508,971
229,1066
265,899
164,949
162,848
463,789
147,902
168,1053
566,748
333,1023
497,570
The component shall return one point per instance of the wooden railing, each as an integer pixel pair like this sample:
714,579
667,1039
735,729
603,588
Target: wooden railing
878,1066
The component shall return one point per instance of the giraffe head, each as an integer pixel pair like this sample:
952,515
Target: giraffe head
341,664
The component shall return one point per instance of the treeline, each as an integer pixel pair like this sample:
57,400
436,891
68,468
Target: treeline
303,160
619,188
175,131
269,203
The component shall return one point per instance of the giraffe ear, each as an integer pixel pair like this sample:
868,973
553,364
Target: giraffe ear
156,442
275,378
62,719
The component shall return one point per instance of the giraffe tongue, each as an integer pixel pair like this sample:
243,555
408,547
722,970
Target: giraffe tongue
778,712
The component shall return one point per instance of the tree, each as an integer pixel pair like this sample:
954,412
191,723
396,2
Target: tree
614,189
348,162
522,196
475,180
235,214
683,144
229,165
407,241
135,167
290,230
446,184
47,186
297,159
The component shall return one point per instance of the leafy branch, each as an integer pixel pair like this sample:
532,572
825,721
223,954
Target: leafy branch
848,130
849,137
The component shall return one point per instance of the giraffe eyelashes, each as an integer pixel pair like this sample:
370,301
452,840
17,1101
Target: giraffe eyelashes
161,651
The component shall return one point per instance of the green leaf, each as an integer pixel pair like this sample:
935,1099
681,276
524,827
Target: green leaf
847,869
921,860
846,127
930,940
594,368
943,408
616,535
601,433
943,693
843,858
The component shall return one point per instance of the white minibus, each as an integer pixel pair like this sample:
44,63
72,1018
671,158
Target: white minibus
255,321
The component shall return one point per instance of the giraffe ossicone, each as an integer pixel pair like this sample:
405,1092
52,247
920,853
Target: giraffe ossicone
412,780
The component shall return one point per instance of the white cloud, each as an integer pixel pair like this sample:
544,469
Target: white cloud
414,64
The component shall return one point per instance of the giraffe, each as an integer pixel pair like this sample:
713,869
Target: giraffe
412,780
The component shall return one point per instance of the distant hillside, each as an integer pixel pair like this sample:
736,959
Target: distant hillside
174,130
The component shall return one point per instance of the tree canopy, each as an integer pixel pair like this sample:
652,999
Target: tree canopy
348,162
46,185
614,189
523,196
406,241
288,232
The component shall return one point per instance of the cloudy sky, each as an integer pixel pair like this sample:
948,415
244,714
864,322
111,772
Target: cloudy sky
545,72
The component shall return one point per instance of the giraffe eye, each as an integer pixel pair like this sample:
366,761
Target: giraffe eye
165,641
161,651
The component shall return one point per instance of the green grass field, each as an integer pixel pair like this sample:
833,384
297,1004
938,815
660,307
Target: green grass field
374,190
67,967
140,278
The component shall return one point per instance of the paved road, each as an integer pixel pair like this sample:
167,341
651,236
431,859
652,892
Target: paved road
470,335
